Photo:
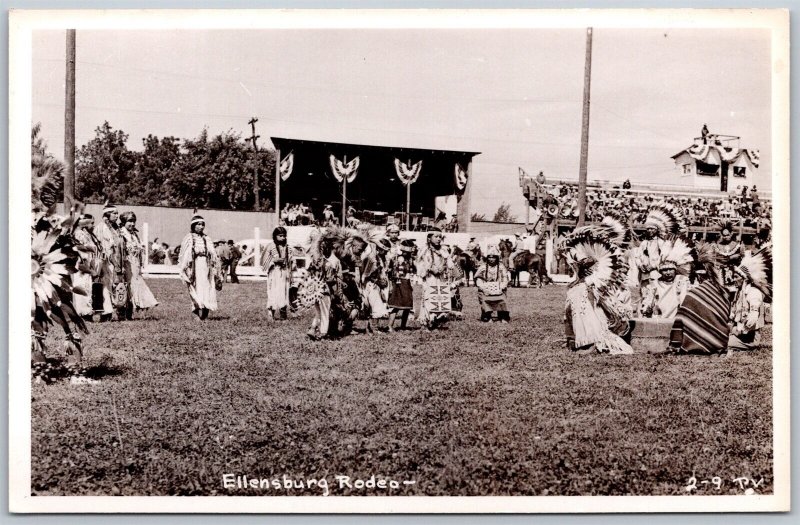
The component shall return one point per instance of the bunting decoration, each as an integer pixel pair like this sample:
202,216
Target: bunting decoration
342,170
287,165
461,177
407,173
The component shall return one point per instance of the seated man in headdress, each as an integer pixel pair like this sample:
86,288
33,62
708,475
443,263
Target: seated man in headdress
753,277
673,282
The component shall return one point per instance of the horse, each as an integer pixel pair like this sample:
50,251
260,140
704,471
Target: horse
467,263
533,263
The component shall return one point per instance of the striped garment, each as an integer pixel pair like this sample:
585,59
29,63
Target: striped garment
701,324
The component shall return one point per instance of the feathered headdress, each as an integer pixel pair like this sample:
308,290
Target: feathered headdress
666,218
757,269
604,264
54,258
678,252
47,182
618,232
707,262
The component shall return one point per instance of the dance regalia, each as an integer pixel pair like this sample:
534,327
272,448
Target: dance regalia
278,265
198,264
495,301
89,269
375,286
112,273
433,268
701,323
140,294
401,270
587,322
746,318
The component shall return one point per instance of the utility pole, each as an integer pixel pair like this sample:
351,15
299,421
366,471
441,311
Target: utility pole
587,84
69,124
252,123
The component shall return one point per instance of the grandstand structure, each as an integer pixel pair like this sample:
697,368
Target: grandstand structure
376,191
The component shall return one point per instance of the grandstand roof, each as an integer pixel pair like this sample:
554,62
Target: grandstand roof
376,186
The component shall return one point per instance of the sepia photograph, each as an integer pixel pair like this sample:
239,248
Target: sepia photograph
400,261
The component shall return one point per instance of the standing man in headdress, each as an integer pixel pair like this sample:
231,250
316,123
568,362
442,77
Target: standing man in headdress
393,235
729,253
433,268
112,272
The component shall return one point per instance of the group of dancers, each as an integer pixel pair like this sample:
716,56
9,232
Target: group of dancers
715,294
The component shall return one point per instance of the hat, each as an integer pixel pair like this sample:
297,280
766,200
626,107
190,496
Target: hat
492,252
393,228
109,208
384,244
195,219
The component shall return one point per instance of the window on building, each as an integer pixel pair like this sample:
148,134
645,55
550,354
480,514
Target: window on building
739,171
687,168
711,170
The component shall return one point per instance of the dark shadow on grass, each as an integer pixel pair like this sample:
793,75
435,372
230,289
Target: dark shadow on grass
103,370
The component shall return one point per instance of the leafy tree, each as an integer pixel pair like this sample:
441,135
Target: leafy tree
503,214
478,217
104,167
152,170
217,172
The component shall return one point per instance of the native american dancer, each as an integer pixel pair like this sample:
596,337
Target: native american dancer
754,279
492,280
112,274
278,265
89,268
729,255
701,323
600,270
401,297
199,266
376,282
140,297
322,283
433,268
677,260
663,220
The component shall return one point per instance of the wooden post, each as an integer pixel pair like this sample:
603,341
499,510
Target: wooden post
257,250
587,84
278,185
257,203
408,206
69,125
344,196
146,240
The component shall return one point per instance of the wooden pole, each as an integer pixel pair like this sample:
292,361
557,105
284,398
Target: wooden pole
278,186
257,205
344,196
408,206
69,124
587,83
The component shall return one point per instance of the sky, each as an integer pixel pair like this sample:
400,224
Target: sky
515,95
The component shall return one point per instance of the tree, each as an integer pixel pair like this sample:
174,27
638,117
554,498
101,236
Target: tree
217,172
152,170
477,217
503,214
104,167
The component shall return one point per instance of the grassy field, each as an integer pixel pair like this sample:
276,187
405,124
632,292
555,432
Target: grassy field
474,410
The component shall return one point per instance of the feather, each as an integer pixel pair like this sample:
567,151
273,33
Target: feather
758,268
617,230
678,251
